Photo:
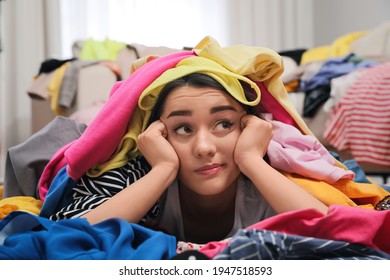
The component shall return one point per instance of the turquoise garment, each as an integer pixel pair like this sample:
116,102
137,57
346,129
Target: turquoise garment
29,237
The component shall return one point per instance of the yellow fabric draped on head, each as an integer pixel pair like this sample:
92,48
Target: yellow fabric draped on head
229,80
227,65
127,149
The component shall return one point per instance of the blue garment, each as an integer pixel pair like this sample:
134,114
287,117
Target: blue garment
333,68
59,194
26,236
351,164
386,187
360,175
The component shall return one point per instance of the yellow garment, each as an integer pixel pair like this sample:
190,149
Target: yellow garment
6,209
340,47
229,80
55,86
257,63
101,50
23,203
128,145
26,203
345,192
140,62
315,54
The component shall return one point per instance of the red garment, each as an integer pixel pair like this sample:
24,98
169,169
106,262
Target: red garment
360,122
269,104
350,224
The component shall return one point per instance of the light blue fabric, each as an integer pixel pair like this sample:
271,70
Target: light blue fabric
360,175
351,164
26,236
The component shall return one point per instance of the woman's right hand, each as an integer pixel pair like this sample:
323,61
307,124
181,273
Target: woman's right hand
132,204
154,146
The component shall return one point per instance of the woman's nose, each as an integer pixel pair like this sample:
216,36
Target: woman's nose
204,145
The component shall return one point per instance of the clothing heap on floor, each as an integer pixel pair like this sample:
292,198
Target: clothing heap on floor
59,168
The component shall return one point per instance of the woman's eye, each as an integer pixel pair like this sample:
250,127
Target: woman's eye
183,130
223,125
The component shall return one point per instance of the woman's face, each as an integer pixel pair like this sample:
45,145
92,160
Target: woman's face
203,126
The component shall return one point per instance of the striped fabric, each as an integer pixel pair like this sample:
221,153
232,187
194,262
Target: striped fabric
257,244
91,192
360,123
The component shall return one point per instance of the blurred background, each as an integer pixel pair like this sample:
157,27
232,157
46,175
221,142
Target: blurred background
33,31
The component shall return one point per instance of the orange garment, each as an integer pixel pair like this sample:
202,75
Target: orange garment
6,209
24,203
113,67
291,86
345,192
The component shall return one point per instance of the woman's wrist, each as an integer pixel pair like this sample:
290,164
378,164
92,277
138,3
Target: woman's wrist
251,163
165,172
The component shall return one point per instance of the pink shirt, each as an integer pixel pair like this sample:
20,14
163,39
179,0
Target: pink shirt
293,152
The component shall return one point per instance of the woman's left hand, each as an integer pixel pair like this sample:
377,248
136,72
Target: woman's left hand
281,193
254,139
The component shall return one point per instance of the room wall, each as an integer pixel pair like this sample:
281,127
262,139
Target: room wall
334,18
277,24
25,29
22,50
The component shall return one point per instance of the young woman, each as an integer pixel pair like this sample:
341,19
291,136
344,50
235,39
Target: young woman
207,153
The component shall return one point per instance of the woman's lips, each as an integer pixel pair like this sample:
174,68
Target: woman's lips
209,169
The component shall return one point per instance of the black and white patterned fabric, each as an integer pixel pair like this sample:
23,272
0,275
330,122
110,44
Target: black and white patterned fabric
91,192
256,244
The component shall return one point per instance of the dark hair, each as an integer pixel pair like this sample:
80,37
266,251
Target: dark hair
198,80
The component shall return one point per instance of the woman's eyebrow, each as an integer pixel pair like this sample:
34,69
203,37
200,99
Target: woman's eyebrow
222,108
212,111
180,113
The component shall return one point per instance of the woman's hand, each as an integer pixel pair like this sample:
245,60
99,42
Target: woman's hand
253,141
154,146
134,202
281,193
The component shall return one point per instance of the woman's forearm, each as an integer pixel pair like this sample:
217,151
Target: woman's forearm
281,193
133,202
